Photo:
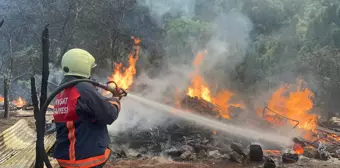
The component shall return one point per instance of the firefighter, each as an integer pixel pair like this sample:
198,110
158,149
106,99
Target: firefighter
82,115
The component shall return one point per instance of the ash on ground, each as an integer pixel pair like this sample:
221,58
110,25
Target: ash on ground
181,140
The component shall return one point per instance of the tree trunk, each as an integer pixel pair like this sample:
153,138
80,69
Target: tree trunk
45,67
6,102
41,120
38,157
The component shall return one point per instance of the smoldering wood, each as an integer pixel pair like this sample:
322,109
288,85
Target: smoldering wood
199,105
170,139
290,158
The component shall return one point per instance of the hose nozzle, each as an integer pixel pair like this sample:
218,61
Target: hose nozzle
115,90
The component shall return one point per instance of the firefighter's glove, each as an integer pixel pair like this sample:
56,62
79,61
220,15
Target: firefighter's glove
115,101
116,92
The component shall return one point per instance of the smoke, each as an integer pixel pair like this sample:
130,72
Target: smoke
228,45
226,49
137,116
56,74
159,8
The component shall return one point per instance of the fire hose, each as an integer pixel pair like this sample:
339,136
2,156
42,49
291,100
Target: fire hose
116,92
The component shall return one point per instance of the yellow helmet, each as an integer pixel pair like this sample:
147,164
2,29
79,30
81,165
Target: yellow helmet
77,62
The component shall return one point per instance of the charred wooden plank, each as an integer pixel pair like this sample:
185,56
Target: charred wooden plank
2,23
6,101
290,158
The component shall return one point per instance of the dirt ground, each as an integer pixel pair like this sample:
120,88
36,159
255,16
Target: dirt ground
163,163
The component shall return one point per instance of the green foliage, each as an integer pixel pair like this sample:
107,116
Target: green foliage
184,33
299,37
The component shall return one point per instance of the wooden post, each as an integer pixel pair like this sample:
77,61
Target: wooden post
41,155
38,158
6,102
45,67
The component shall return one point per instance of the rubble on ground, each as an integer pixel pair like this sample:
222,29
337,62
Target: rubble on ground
185,141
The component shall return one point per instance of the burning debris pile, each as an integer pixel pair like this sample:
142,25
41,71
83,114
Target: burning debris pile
318,140
181,140
14,105
19,104
184,140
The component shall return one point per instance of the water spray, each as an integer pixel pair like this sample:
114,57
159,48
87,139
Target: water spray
190,116
257,135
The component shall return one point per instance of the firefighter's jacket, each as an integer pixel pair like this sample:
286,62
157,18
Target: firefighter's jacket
81,116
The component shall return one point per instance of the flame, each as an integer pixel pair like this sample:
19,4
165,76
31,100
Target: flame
272,152
214,132
124,77
298,149
199,88
274,120
19,102
294,106
335,137
2,99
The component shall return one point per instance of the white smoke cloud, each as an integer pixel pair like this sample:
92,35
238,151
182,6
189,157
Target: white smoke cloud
56,74
133,114
159,8
226,49
229,43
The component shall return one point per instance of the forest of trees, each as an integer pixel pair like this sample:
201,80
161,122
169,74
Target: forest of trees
269,41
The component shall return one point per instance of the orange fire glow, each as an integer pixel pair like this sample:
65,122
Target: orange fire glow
19,102
199,88
2,99
335,137
124,77
298,149
294,106
272,152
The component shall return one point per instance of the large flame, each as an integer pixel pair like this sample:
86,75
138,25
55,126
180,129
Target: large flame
20,102
124,77
294,106
199,88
